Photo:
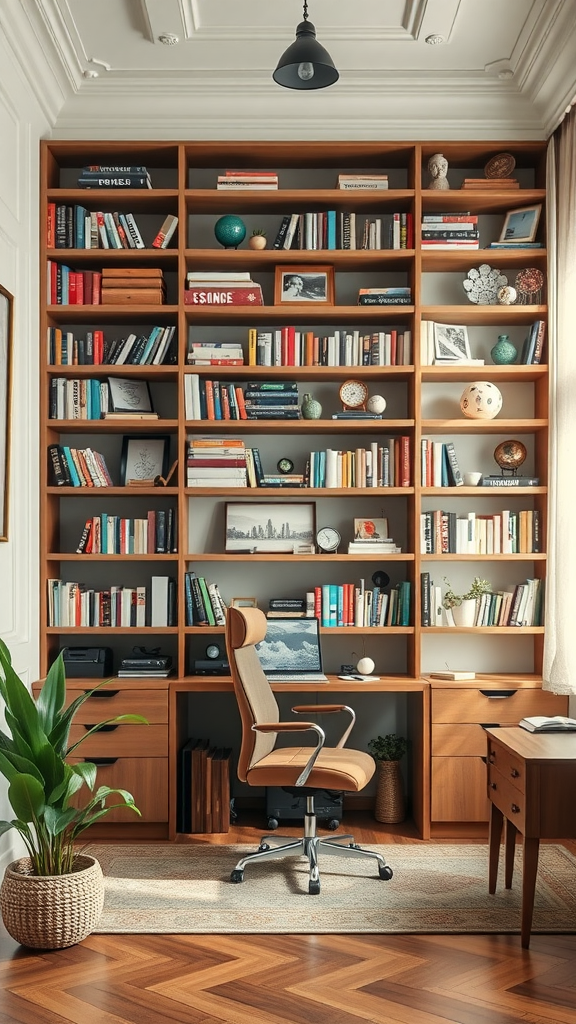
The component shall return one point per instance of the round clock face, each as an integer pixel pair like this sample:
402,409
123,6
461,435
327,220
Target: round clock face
285,465
328,539
353,393
212,651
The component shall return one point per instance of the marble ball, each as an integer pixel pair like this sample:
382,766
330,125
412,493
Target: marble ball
376,404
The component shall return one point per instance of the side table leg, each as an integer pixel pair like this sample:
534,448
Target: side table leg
509,846
495,835
529,870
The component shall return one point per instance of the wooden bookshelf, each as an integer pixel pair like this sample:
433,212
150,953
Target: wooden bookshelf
422,402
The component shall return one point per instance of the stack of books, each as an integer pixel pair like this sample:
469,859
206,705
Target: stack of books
450,231
215,353
204,604
373,546
272,400
127,286
401,296
216,462
363,181
229,288
494,184
237,180
287,607
114,176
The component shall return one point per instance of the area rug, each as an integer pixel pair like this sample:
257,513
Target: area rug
173,889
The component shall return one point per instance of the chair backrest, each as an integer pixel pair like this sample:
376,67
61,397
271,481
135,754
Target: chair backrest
245,627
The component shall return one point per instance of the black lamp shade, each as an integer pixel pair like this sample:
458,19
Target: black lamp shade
305,50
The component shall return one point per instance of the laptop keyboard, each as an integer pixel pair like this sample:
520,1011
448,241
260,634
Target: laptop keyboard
298,677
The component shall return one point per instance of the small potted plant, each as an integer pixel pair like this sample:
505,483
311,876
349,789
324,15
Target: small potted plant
461,608
388,751
258,239
54,897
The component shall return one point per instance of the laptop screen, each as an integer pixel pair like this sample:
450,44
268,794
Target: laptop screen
291,645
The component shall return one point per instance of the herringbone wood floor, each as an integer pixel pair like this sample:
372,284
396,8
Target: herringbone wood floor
283,979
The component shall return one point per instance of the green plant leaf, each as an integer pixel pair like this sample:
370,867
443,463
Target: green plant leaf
26,796
70,785
12,765
5,826
52,695
58,820
87,771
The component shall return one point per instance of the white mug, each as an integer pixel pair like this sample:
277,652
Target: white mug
472,479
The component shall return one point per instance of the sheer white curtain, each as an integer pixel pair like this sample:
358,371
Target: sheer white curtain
560,642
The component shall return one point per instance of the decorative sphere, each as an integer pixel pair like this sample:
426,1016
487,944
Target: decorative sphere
376,404
506,295
230,230
510,454
365,666
481,400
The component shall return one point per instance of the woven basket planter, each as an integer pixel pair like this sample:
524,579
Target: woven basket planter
51,911
390,805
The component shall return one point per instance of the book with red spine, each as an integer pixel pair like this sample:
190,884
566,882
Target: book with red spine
249,295
96,288
404,449
51,226
210,407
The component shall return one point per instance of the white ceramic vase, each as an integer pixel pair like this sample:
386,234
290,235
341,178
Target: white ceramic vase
465,613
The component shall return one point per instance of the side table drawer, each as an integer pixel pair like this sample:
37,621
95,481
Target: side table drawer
508,764
145,777
507,798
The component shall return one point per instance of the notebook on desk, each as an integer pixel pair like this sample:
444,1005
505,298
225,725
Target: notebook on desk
291,652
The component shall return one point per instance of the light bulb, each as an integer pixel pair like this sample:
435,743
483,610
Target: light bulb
306,71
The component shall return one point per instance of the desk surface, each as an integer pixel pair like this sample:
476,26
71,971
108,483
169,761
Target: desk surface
537,746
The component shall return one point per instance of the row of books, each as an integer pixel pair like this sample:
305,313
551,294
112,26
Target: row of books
151,349
67,287
439,465
383,463
75,227
114,176
350,604
521,605
329,229
506,532
287,346
108,534
204,603
204,788
72,604
77,467
78,399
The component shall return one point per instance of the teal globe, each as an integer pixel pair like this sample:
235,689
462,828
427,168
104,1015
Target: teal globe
230,231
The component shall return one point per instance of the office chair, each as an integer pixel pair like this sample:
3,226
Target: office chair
301,770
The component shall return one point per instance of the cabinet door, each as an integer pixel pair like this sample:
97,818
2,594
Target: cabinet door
459,788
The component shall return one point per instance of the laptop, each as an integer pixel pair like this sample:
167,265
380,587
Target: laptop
290,651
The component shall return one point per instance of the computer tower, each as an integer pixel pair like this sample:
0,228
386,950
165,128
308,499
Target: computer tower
282,805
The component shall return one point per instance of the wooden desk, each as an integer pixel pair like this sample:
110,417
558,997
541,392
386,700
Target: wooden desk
531,783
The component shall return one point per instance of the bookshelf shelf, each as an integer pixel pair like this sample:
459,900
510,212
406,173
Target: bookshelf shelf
422,403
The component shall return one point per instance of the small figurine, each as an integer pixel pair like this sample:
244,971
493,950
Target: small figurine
438,169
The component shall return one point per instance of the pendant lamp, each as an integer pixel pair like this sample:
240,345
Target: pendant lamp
305,64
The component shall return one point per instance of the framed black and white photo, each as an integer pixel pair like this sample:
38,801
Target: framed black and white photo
275,526
451,342
521,225
304,284
6,314
129,396
144,458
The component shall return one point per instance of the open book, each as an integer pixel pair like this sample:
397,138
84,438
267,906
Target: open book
555,724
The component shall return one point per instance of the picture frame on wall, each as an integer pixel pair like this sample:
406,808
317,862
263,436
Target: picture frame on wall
273,526
144,459
6,325
304,283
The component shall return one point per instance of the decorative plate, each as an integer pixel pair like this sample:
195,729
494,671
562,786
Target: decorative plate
500,166
510,454
483,283
529,285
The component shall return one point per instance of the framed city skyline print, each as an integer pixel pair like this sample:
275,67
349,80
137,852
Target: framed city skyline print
6,315
272,526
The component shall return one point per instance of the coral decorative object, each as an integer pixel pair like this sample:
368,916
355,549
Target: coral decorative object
504,352
481,400
230,231
483,283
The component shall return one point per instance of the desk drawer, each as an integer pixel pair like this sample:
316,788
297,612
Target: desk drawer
122,741
458,741
145,777
459,789
152,705
508,764
510,800
475,705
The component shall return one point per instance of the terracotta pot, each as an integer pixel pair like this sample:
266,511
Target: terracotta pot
257,242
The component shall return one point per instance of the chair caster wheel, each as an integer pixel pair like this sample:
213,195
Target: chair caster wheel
333,824
385,872
272,823
263,847
313,888
237,876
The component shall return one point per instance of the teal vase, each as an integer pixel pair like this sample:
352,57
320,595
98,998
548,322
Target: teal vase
311,409
504,352
230,231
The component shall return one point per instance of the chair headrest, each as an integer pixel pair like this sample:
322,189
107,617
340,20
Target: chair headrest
246,626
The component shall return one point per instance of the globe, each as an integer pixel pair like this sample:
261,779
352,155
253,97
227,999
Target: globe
230,230
481,400
510,455
376,404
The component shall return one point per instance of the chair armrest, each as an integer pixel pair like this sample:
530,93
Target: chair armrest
300,709
297,727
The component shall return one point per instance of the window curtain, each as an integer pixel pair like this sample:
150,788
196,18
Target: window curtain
559,664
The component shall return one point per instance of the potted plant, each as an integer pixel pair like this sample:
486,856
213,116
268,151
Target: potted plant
53,897
258,239
388,751
461,608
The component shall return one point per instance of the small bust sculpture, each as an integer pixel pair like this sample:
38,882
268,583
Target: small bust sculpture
438,169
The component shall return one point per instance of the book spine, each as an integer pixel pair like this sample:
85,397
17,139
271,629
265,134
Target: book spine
245,296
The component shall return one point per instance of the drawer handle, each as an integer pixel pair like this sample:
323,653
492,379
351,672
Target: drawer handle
489,725
493,785
103,728
101,762
492,758
102,693
497,694
515,809
514,773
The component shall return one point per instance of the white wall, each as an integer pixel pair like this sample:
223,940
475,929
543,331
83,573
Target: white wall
21,125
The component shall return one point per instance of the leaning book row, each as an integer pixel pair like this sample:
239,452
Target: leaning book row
350,604
518,605
77,467
114,535
75,227
204,788
204,603
72,604
153,349
506,532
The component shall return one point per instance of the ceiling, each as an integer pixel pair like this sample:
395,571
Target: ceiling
504,68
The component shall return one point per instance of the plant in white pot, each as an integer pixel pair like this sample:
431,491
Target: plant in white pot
54,897
388,751
461,608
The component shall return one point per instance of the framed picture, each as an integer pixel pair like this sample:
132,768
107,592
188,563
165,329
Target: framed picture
451,342
6,316
371,529
269,526
521,225
314,284
129,395
144,458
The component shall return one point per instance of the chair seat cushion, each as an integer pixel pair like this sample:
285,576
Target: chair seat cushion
336,768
